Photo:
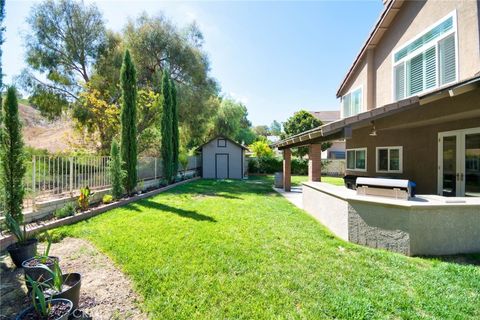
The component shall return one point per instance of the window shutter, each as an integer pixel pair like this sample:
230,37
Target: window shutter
415,75
430,68
346,105
447,60
400,81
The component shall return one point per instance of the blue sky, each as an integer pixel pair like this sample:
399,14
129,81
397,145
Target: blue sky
276,57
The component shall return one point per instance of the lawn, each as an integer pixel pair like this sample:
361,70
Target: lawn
238,250
297,180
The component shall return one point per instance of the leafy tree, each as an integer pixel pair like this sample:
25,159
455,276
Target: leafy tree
230,120
246,136
12,158
66,38
261,149
167,134
300,122
175,130
275,128
117,174
262,130
129,122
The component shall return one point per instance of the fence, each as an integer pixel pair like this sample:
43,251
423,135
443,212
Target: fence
51,178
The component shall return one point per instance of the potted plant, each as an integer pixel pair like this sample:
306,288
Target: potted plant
33,266
44,307
63,286
25,247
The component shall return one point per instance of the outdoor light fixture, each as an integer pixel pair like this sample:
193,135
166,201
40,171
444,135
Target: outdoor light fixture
373,133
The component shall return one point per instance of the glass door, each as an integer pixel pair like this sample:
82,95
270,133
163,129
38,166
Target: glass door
459,163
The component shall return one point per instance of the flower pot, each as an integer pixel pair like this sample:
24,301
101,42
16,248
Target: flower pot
60,310
20,252
71,283
31,269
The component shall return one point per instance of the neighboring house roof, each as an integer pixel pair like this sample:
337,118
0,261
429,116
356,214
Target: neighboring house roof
326,116
222,137
389,12
335,128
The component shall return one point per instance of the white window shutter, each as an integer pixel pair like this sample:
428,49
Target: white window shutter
430,68
415,75
447,60
399,81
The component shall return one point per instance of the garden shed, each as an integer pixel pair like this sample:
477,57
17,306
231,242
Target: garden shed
223,158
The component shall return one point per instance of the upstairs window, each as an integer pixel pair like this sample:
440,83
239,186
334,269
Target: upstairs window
427,62
352,103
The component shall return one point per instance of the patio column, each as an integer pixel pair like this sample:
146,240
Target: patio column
314,162
287,162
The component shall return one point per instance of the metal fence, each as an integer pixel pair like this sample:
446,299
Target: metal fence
55,177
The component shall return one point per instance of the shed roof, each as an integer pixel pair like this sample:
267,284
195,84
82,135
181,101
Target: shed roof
222,137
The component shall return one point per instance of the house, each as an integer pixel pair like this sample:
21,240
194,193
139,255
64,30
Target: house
337,150
223,158
410,109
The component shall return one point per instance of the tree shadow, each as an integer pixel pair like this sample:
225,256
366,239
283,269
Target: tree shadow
181,212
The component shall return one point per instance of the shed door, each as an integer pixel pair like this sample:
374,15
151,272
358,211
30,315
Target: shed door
221,166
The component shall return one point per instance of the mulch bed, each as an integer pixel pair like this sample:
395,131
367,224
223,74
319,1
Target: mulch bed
106,293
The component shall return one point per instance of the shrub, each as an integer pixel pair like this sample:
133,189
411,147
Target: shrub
84,198
117,174
299,166
66,211
269,165
108,198
261,149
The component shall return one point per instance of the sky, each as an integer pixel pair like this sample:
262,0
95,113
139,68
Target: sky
275,57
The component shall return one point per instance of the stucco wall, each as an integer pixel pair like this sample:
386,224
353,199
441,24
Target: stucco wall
413,18
419,139
425,226
235,159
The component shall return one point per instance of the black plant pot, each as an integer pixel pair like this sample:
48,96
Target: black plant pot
74,282
20,252
64,316
36,273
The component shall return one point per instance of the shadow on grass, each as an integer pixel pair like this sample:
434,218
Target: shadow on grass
163,207
462,259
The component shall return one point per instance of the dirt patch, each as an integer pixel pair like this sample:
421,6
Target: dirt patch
106,293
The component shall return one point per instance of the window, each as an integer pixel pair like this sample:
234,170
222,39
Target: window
221,143
357,159
389,159
427,62
352,103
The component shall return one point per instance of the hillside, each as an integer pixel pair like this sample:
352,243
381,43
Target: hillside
38,132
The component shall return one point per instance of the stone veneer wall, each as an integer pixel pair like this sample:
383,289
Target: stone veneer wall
375,237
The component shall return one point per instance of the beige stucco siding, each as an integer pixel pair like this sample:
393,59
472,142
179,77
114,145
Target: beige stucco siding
413,19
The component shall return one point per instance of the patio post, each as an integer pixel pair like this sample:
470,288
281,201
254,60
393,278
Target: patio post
314,162
287,161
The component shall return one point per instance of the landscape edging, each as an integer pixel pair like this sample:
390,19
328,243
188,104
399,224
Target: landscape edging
8,240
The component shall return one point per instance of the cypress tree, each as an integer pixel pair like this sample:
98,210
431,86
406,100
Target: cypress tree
175,133
167,143
117,174
128,120
12,158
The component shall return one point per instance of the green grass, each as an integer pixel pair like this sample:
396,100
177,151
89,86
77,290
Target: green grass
237,250
297,180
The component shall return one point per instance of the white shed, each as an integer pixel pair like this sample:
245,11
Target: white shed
223,158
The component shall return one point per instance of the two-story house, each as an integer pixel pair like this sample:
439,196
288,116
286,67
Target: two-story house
410,102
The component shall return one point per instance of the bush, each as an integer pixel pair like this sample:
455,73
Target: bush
299,166
67,211
270,165
108,198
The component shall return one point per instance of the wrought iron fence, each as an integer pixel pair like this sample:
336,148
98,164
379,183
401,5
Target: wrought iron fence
55,177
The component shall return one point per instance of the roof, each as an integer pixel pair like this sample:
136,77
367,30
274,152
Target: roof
326,116
328,131
222,137
389,12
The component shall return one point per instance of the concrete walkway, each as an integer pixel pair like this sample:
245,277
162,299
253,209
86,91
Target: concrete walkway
295,196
